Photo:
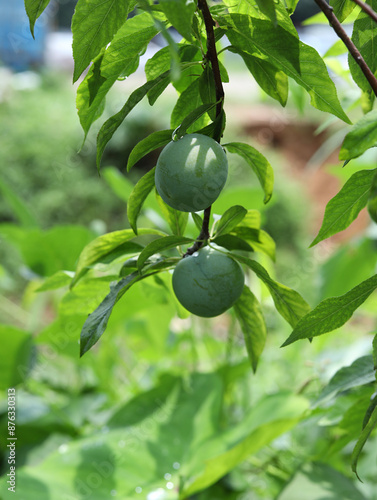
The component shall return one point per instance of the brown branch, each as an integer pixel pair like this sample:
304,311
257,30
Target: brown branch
366,8
212,56
338,28
213,59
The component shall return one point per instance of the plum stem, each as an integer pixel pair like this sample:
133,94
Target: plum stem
203,236
213,59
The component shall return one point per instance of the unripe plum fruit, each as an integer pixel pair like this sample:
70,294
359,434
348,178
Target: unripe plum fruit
191,172
208,282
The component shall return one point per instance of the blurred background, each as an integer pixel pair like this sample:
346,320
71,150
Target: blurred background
53,202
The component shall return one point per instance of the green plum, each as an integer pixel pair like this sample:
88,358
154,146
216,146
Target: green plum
191,172
208,282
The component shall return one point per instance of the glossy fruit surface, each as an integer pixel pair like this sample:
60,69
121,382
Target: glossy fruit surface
191,172
208,282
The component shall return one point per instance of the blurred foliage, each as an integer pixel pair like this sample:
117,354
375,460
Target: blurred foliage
47,168
168,401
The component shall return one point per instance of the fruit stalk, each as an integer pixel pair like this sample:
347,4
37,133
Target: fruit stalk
213,59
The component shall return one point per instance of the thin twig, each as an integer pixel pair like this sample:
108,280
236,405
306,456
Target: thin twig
367,8
212,57
338,28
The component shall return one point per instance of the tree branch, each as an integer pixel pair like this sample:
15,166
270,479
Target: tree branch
366,8
338,28
213,59
212,56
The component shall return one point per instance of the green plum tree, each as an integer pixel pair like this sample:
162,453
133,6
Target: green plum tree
191,172
208,282
261,32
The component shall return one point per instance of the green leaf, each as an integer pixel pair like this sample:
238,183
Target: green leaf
34,9
268,8
291,5
153,141
154,67
91,93
139,194
189,427
250,316
161,62
120,185
191,118
273,81
335,276
176,219
95,80
320,18
361,137
189,101
103,246
175,69
94,24
364,36
363,439
252,219
342,8
258,163
288,302
360,372
259,240
346,205
233,216
160,245
119,60
197,220
46,252
17,344
337,49
179,13
231,242
367,99
96,322
258,37
216,128
166,413
264,243
57,280
375,352
332,313
269,418
319,482
161,265
249,7
207,89
372,199
111,125
370,410
18,206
